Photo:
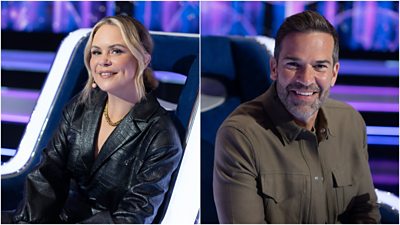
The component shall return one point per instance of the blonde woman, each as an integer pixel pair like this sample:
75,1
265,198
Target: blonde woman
112,157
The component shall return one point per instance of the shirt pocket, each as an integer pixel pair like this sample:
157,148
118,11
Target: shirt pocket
283,197
343,188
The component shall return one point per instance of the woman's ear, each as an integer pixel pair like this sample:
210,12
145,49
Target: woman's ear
147,59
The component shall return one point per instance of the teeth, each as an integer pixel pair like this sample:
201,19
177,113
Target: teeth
304,93
106,74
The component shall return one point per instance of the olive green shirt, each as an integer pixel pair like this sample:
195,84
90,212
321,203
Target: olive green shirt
270,170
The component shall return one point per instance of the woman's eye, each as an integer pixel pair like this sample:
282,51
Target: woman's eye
95,52
116,51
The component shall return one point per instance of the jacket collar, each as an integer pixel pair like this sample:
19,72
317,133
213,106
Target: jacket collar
141,112
284,122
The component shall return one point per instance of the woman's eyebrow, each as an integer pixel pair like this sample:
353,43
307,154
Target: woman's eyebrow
111,46
117,45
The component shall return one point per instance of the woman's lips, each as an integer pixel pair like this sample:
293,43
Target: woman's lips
106,74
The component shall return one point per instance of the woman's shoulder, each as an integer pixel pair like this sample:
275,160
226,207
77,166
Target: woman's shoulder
77,105
161,117
163,122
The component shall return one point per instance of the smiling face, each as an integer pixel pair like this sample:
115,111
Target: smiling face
112,64
304,73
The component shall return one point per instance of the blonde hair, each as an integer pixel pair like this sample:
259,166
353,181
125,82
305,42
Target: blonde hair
138,41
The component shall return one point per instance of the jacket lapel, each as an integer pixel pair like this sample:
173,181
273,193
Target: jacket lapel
130,127
90,128
125,131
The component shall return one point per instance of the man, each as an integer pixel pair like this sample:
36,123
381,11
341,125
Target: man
292,155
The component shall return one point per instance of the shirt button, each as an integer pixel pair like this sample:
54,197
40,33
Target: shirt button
318,178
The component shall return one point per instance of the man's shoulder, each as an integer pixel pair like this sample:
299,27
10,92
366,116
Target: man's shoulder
246,114
338,106
339,110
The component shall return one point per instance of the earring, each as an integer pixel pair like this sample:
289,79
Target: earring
94,85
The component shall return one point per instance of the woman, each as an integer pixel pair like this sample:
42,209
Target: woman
113,155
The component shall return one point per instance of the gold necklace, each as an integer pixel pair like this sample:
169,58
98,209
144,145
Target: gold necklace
105,112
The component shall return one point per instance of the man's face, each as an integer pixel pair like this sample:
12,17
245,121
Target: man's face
304,72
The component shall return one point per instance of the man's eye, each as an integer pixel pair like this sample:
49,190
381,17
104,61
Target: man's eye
320,67
292,65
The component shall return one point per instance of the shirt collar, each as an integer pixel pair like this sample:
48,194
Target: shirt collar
323,130
284,122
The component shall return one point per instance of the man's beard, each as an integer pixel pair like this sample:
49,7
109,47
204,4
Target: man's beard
301,110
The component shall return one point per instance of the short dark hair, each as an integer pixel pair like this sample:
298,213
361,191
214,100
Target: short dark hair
307,21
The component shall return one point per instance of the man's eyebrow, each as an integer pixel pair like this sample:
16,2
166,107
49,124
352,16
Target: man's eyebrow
323,61
291,58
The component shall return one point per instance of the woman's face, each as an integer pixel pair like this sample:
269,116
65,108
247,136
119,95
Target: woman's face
112,64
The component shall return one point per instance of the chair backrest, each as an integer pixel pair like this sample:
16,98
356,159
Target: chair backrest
179,54
241,65
185,187
66,77
216,57
252,67
388,206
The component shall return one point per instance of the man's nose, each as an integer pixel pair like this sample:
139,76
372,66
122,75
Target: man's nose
306,76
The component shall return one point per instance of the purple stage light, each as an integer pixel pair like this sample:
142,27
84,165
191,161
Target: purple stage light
374,106
19,60
110,8
385,179
368,68
20,93
365,90
385,131
330,10
8,152
386,166
15,118
85,10
383,140
385,171
57,16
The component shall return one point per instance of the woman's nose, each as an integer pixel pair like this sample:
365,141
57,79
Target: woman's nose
105,60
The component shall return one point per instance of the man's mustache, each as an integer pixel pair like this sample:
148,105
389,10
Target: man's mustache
301,87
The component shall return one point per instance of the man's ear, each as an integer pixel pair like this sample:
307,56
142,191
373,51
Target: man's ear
273,65
335,74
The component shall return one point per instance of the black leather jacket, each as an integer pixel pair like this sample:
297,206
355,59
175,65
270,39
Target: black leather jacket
126,183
